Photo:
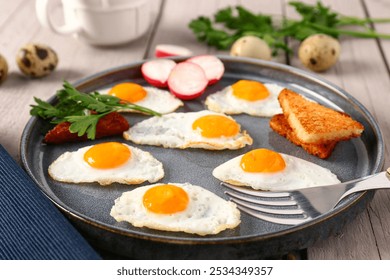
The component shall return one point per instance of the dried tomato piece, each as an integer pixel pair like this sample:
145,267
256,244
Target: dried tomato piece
109,125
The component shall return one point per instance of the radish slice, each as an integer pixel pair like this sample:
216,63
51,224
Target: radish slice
156,72
171,50
187,80
212,66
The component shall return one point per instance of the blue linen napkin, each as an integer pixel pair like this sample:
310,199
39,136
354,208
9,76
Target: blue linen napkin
31,227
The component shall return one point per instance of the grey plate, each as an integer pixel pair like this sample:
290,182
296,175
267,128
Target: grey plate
88,205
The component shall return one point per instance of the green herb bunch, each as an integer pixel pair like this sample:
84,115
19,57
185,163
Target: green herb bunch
77,107
230,24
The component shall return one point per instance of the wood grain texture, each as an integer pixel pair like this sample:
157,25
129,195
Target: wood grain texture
173,28
338,246
76,60
379,210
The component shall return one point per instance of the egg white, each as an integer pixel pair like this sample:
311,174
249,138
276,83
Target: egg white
70,167
206,212
174,130
298,174
225,102
156,99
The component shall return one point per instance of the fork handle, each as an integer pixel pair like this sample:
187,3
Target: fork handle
377,181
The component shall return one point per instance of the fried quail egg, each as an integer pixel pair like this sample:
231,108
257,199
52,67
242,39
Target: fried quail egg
176,207
203,129
245,96
268,170
155,99
107,163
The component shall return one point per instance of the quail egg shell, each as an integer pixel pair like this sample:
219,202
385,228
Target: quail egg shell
36,60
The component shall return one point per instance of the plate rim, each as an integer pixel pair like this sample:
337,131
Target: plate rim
210,239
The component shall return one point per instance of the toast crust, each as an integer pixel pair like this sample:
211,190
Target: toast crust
313,123
279,124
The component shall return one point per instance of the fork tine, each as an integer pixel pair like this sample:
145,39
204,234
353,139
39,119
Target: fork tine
284,202
257,193
273,219
280,211
255,203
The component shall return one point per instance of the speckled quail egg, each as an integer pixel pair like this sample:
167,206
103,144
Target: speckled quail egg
3,69
319,52
36,60
251,46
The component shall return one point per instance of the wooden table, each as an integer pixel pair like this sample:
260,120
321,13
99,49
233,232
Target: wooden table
363,71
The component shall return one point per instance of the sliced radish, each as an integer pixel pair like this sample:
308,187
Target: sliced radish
212,66
187,80
156,72
171,50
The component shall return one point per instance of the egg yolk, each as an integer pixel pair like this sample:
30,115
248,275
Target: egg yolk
165,199
262,160
213,126
250,90
107,155
129,92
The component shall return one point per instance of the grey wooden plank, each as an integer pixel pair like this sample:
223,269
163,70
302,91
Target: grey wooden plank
380,9
173,28
76,61
379,211
361,71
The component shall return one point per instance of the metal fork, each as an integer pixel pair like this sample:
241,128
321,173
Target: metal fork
299,206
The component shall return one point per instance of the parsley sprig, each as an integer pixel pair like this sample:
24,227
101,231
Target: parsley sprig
76,107
230,24
235,24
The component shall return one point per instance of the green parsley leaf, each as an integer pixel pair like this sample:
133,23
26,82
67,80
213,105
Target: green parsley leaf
44,110
76,107
85,124
234,23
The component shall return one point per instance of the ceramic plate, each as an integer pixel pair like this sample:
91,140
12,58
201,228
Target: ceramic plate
88,205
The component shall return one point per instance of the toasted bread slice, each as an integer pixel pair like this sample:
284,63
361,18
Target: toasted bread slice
313,123
280,125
